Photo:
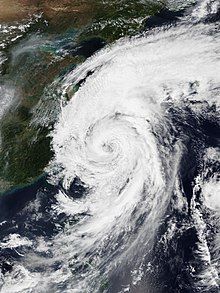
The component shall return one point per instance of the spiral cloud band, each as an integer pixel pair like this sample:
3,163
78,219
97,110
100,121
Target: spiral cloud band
118,135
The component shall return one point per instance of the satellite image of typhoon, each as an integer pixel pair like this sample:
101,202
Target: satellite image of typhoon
109,146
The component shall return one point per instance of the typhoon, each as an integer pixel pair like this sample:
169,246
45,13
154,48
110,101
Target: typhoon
133,195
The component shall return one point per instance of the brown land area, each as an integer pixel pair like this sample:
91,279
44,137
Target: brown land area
13,10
